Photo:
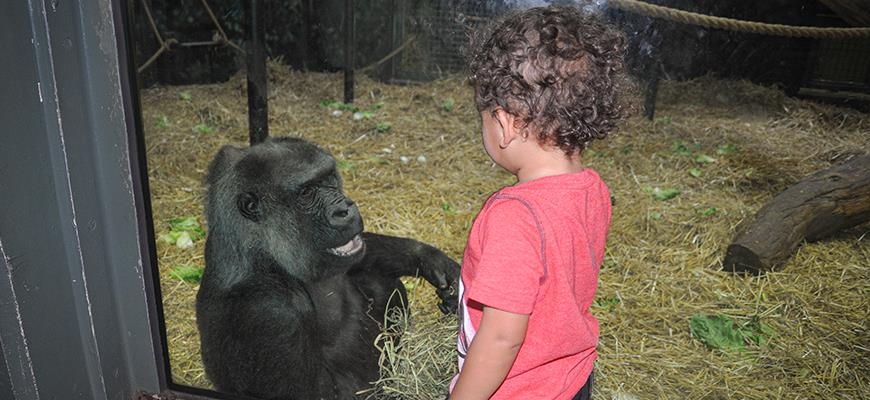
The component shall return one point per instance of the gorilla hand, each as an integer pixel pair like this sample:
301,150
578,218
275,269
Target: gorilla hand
443,273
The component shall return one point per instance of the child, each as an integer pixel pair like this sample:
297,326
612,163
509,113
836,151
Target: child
546,85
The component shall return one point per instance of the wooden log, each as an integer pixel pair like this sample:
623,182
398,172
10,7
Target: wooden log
818,206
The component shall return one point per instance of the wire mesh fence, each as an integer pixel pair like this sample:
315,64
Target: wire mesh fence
840,65
434,40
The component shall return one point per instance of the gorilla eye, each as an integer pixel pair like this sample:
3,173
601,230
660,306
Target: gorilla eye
249,205
307,193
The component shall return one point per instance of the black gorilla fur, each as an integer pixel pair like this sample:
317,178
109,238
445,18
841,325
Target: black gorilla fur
294,292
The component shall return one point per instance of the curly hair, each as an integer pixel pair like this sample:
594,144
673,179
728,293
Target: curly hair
556,69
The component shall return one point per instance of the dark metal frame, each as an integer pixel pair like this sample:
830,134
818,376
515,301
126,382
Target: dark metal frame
75,321
80,307
255,52
349,50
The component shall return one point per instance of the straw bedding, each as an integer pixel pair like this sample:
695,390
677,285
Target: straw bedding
723,148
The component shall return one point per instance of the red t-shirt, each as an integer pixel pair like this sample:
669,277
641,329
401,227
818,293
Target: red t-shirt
535,248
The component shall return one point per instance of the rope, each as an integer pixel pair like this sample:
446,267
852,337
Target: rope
388,56
220,37
692,18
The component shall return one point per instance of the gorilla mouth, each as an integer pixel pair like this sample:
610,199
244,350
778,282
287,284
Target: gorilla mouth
348,249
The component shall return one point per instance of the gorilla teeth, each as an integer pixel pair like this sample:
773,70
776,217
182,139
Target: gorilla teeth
349,248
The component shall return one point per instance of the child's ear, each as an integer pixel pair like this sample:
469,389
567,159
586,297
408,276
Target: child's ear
508,124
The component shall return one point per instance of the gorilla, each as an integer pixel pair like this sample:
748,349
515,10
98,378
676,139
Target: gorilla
294,293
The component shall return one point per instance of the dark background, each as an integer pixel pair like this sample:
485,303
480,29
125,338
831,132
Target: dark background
308,35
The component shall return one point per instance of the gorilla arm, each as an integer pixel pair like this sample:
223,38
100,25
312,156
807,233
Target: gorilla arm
395,257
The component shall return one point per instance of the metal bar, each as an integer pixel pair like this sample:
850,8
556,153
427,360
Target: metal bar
652,90
199,44
151,22
348,51
258,110
308,21
396,36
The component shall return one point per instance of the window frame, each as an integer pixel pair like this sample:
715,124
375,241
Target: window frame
81,314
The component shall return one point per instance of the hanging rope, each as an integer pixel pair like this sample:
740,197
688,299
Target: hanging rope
692,18
220,37
392,54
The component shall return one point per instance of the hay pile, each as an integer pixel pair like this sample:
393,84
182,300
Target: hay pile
426,176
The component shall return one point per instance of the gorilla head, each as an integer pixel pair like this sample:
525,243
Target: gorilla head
294,292
289,188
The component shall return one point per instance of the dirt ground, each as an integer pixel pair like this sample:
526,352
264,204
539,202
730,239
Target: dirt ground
414,163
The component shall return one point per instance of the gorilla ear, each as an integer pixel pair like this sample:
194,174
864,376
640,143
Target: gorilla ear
222,162
249,206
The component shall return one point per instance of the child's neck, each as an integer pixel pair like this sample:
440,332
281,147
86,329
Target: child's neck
548,163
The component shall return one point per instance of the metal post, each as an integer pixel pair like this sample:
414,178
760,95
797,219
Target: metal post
652,90
307,22
258,108
348,51
397,35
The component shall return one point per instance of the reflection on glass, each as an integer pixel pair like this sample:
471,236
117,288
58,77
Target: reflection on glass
736,118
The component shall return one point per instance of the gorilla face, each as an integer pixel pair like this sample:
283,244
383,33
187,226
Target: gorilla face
334,215
289,189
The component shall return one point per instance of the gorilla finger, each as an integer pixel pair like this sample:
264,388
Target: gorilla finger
447,308
446,293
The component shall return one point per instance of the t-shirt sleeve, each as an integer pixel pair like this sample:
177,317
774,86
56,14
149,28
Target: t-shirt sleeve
510,269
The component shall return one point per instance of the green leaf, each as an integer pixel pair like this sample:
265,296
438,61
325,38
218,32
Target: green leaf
184,240
186,224
757,332
185,95
704,159
447,208
680,147
329,103
665,194
655,215
203,128
170,237
607,303
717,332
710,212
363,115
662,194
162,122
726,149
627,149
344,165
721,332
695,172
187,273
337,105
448,104
382,127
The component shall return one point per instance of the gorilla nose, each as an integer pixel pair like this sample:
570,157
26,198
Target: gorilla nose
343,213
